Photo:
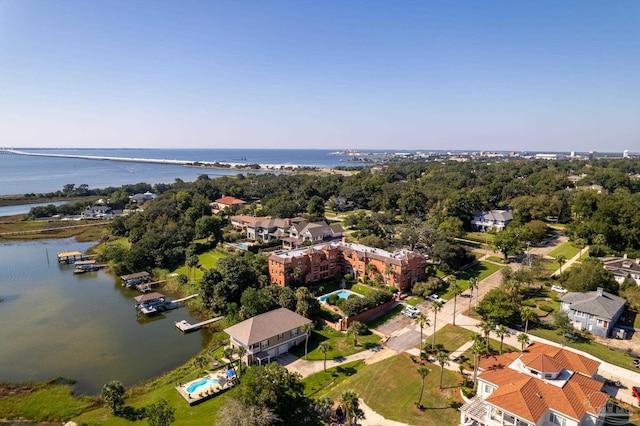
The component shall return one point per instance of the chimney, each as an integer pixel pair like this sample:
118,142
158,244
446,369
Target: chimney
624,256
599,291
638,260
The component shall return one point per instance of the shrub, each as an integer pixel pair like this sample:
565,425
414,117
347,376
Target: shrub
546,308
333,299
555,298
329,315
357,305
529,303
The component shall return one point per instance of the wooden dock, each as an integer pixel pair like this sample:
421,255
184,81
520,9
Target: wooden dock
147,287
185,327
185,298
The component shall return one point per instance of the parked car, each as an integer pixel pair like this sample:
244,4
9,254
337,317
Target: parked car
434,297
558,289
636,392
408,314
412,309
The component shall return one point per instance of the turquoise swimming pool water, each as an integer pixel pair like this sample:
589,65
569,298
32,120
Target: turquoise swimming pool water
204,383
342,294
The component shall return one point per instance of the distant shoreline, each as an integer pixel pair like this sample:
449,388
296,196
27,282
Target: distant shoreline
186,163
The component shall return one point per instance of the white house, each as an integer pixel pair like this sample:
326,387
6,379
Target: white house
495,220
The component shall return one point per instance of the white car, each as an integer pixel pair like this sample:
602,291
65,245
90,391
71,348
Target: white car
413,309
558,289
408,314
434,297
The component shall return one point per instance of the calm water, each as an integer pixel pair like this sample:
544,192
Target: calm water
83,327
25,208
21,174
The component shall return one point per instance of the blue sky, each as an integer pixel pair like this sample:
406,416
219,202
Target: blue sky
471,75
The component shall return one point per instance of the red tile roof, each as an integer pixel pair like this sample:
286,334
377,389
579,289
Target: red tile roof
230,200
529,397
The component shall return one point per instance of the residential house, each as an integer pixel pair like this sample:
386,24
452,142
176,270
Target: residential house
269,229
141,198
242,221
312,232
400,269
342,204
594,311
495,220
268,335
97,212
545,385
227,201
623,269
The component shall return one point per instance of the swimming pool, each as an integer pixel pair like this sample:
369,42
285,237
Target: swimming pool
204,383
342,294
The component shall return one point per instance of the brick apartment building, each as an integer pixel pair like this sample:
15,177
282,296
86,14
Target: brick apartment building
401,268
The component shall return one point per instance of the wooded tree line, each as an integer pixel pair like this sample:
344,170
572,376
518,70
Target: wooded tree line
412,202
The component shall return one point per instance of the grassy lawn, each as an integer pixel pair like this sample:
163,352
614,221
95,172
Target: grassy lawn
496,259
206,260
618,358
377,322
567,249
43,402
363,289
320,382
450,336
341,343
396,379
494,348
481,237
480,270
414,300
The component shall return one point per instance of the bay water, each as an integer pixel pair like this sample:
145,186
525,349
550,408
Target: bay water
80,326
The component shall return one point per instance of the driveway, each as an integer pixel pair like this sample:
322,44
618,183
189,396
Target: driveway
394,324
405,340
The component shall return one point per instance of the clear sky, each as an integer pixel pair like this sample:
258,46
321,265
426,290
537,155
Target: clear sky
493,75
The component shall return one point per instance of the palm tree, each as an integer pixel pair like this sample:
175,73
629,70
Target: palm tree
324,347
297,273
523,339
561,259
599,240
442,358
422,321
351,405
477,348
487,327
370,269
422,371
513,290
241,351
201,361
307,329
435,307
356,328
388,271
582,243
527,314
502,331
192,262
473,285
455,289
228,354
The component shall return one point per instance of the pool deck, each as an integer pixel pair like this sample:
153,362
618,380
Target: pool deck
201,395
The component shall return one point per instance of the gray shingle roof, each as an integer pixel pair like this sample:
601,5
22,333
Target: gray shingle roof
263,326
605,306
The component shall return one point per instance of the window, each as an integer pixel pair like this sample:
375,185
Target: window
600,322
557,419
280,336
264,344
580,314
294,332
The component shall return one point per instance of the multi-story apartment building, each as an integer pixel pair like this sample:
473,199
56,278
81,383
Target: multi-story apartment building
401,268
